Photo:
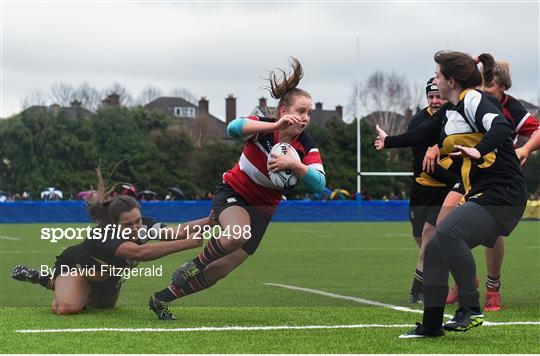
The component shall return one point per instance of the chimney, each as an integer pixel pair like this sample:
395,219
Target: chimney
339,112
318,106
112,100
262,102
230,108
203,104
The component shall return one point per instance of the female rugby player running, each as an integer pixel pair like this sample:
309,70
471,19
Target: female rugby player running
473,128
246,199
74,291
496,80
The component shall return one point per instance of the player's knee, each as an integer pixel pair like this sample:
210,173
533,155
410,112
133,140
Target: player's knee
66,309
450,244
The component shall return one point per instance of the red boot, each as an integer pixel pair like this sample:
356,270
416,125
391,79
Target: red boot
493,300
453,294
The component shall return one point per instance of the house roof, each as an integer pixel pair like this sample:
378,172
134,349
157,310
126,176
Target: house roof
168,103
265,111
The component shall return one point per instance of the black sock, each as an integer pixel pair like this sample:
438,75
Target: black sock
435,296
165,295
433,318
493,283
418,281
46,281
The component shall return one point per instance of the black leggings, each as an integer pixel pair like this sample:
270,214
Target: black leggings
449,250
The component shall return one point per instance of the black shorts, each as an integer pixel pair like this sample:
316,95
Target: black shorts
425,204
472,223
101,292
225,196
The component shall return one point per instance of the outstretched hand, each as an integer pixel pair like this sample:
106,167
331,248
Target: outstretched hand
381,136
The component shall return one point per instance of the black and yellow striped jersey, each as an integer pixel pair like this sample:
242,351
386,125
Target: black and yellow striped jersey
441,177
495,180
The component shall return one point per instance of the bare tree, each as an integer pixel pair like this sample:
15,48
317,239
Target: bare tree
418,100
150,93
184,94
62,94
35,98
88,96
385,98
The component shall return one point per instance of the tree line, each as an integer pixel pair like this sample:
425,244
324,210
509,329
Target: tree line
152,150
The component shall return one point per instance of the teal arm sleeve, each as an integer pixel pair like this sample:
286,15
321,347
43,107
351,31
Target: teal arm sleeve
236,127
314,180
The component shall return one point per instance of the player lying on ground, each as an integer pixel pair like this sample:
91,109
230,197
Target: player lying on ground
247,198
523,124
74,291
471,127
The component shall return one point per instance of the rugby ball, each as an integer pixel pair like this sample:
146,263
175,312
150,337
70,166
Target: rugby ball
283,179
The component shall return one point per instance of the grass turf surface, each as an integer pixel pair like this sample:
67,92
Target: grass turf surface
373,261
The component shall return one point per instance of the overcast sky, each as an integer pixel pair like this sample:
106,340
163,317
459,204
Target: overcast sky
218,48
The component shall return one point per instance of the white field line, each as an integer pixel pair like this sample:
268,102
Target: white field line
218,328
279,327
385,305
3,237
352,299
242,328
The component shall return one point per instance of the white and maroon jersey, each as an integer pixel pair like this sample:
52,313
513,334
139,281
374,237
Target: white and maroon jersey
522,121
249,177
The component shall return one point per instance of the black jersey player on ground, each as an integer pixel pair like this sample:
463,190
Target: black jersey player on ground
73,292
473,128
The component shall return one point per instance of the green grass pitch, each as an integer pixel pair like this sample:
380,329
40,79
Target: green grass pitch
372,261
